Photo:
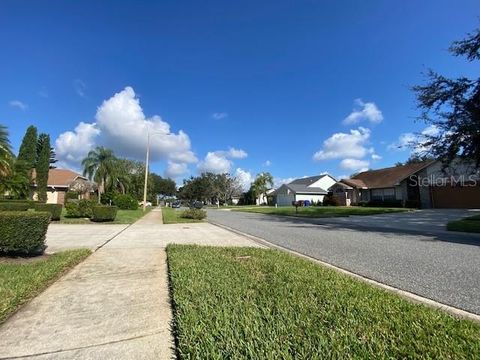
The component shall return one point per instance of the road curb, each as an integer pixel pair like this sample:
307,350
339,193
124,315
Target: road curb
459,313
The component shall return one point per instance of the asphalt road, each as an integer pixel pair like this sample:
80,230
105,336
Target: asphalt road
439,265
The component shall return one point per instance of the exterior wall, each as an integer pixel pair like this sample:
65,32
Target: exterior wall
401,191
52,196
309,197
285,199
324,183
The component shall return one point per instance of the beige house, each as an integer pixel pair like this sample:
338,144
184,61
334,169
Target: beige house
60,181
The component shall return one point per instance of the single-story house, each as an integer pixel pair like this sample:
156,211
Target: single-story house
425,184
60,181
313,188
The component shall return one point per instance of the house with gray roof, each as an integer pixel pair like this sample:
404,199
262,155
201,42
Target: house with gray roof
313,188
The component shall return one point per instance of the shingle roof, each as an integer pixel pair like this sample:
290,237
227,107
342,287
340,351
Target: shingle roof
60,177
388,177
307,180
302,185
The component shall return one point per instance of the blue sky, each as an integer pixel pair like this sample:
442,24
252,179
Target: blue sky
241,86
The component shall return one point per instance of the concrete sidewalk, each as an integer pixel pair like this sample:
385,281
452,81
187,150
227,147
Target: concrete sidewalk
114,305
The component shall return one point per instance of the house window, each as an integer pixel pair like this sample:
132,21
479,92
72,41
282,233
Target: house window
383,194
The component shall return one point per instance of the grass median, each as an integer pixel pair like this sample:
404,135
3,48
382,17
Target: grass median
469,224
321,211
241,303
23,278
172,216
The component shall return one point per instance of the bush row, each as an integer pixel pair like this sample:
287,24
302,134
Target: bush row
125,202
103,213
195,214
80,209
55,210
23,233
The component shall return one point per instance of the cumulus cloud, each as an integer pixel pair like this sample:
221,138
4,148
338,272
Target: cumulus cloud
343,145
219,115
122,126
267,163
18,104
72,146
79,87
354,164
244,177
376,157
175,170
364,112
277,182
220,161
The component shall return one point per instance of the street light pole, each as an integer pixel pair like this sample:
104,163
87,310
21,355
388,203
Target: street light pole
146,172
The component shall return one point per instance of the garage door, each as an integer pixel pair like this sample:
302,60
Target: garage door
285,200
459,197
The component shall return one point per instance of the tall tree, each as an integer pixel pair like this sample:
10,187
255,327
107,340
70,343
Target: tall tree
52,159
5,152
262,183
43,166
452,106
28,150
99,165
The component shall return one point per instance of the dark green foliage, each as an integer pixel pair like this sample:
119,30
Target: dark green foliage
14,206
40,145
28,149
125,202
43,165
103,213
452,106
55,210
71,195
23,232
330,200
248,303
195,214
80,209
385,203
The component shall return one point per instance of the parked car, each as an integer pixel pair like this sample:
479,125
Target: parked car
196,204
148,203
176,204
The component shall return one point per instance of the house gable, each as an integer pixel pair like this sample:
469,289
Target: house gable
325,182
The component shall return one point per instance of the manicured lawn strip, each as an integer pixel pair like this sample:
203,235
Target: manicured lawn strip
239,303
123,217
321,211
19,282
469,224
172,216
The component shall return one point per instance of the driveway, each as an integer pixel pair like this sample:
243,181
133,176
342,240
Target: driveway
439,265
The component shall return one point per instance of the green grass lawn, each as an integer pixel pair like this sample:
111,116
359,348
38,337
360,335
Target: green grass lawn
469,224
123,217
21,281
246,303
321,211
172,216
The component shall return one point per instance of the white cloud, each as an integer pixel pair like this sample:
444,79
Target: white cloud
72,146
79,87
122,126
244,177
376,157
405,141
431,130
215,163
410,141
354,164
277,182
219,162
267,163
342,145
365,111
18,104
175,170
219,115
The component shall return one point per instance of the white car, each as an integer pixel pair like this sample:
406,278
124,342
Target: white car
148,203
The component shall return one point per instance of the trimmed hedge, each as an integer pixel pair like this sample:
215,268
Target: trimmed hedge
125,202
14,206
54,209
195,214
23,233
80,209
103,213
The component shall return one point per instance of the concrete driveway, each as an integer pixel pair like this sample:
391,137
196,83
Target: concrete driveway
392,249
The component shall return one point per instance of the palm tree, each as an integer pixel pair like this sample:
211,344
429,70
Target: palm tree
5,152
262,183
99,165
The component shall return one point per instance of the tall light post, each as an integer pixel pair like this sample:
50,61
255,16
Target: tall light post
146,167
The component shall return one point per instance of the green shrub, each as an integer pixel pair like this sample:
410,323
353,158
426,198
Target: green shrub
385,203
330,200
80,209
196,214
23,232
125,202
14,206
71,195
104,213
54,209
